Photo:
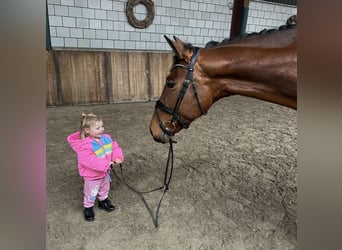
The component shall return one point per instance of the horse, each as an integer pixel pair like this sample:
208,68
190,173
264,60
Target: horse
259,65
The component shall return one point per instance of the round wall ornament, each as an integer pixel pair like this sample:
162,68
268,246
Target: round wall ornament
140,24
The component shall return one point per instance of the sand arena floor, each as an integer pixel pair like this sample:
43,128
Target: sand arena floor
234,184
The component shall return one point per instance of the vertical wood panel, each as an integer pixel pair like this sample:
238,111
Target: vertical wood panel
108,74
129,78
82,77
137,76
51,90
120,76
160,64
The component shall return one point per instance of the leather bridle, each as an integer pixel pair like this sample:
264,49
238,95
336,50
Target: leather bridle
189,78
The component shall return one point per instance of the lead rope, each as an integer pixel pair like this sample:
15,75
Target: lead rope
167,179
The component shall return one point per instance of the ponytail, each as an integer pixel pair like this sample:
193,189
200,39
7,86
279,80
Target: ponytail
83,122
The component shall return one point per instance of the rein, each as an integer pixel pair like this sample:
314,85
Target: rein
166,182
189,78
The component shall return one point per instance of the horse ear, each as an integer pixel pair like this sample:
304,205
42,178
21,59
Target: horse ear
174,46
178,47
169,41
177,39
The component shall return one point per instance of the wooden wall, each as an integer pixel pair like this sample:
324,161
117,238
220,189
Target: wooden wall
87,77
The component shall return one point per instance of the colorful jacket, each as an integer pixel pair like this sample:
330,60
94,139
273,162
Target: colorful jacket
93,157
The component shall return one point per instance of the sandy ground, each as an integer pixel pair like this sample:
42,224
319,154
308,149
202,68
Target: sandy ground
233,186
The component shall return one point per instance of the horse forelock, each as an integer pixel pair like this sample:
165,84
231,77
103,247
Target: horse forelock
188,46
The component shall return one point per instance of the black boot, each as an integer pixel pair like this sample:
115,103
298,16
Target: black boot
106,205
89,214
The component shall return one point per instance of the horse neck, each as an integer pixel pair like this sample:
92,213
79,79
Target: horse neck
269,74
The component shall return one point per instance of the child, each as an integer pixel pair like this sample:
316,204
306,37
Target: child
95,151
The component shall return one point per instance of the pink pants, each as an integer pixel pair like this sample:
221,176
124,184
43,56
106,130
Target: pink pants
95,188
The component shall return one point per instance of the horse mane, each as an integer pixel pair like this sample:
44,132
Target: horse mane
287,26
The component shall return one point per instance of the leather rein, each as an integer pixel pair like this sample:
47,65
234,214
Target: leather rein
165,187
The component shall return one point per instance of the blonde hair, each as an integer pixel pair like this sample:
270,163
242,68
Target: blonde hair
87,120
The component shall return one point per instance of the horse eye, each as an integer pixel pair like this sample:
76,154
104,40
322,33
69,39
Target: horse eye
170,84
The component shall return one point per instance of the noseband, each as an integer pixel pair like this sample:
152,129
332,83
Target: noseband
189,78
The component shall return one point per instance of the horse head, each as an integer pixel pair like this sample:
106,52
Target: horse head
181,100
262,66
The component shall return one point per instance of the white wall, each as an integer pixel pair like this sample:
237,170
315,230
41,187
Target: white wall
266,15
102,24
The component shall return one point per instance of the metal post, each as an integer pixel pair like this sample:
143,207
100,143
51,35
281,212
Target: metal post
244,16
239,17
47,35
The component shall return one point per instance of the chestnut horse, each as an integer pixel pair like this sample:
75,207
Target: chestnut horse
262,66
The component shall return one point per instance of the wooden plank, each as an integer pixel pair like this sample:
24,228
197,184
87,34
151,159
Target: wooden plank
160,64
82,75
120,76
137,76
51,89
129,79
108,74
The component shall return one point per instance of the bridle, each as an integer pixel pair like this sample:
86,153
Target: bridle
189,78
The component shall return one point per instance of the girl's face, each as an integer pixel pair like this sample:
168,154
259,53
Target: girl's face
95,130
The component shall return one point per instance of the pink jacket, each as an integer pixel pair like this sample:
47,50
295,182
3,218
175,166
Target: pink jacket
94,157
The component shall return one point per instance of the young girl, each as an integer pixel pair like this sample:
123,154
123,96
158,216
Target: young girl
95,151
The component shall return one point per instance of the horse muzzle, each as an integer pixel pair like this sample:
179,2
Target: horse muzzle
161,137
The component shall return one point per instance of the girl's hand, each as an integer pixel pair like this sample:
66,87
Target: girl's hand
111,164
117,161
